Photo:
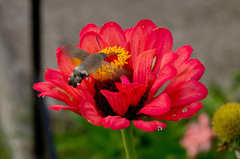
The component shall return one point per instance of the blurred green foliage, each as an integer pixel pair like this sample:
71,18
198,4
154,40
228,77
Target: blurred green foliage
76,138
4,152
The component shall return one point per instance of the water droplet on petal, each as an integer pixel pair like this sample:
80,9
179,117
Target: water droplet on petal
184,110
160,128
174,114
193,70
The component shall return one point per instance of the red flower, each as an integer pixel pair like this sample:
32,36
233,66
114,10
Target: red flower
126,89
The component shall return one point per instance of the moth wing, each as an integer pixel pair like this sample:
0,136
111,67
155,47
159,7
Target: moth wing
75,52
93,62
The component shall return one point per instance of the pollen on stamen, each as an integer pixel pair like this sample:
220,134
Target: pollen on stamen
111,69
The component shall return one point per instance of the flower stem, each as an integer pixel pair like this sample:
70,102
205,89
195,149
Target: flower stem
128,141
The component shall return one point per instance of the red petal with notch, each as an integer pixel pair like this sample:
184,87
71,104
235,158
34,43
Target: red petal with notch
59,107
142,67
113,35
90,113
138,37
88,42
119,101
182,112
88,28
115,122
158,106
160,39
149,126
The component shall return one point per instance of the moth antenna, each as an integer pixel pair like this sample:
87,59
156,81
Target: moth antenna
98,43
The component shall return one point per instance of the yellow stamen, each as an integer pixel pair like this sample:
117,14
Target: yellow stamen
110,70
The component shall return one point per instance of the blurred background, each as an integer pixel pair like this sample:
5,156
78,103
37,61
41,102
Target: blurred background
30,31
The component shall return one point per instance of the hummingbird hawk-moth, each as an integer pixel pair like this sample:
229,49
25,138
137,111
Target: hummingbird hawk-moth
90,63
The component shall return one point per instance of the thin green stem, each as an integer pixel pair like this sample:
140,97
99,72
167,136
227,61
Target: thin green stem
128,141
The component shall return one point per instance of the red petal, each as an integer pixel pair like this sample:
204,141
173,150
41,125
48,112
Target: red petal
113,35
191,70
88,84
128,33
134,91
149,126
115,122
158,106
90,113
119,101
59,107
182,112
57,78
88,42
138,37
160,39
64,63
60,82
88,28
183,53
43,86
167,58
124,80
187,93
142,67
51,90
165,74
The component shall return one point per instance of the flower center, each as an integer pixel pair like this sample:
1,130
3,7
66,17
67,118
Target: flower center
113,66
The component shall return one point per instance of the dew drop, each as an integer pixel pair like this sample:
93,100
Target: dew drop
193,70
160,128
184,110
174,114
